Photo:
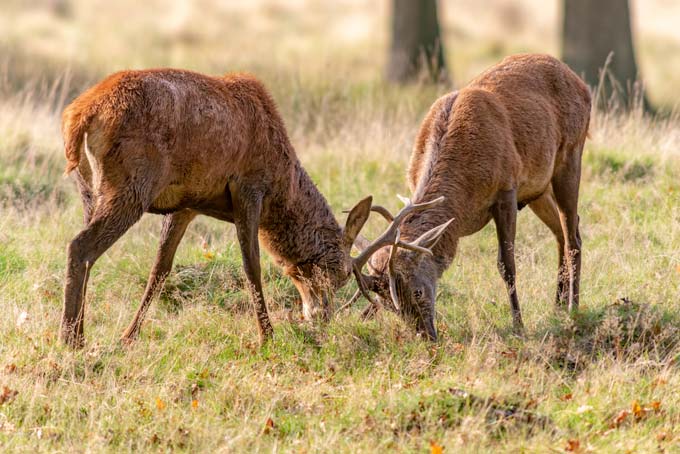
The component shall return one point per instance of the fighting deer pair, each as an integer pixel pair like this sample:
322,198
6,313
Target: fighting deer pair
181,144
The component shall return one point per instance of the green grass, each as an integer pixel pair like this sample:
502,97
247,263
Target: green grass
197,379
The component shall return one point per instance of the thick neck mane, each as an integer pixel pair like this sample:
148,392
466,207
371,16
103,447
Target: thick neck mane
297,224
299,227
427,162
428,145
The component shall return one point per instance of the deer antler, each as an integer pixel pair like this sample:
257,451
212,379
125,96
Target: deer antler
384,212
380,210
391,237
388,236
423,245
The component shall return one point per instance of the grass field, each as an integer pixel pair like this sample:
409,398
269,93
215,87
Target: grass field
606,381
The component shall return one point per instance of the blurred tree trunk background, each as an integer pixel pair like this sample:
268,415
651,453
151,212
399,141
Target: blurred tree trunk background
592,30
416,50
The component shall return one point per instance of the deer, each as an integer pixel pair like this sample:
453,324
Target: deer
512,137
179,144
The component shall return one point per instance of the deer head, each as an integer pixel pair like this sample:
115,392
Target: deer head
403,273
318,279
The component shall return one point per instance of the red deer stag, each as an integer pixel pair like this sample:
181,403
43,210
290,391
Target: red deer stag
179,143
513,137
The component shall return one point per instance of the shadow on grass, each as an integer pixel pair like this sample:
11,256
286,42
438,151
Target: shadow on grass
450,408
302,336
220,282
623,330
329,347
215,281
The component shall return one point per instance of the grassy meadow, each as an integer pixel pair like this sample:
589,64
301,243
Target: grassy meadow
605,381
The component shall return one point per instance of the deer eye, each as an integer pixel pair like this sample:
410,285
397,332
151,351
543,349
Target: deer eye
417,294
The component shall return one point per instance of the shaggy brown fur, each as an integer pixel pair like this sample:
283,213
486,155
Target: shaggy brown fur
180,143
514,136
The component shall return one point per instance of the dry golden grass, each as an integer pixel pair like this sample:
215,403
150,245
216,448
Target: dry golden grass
196,381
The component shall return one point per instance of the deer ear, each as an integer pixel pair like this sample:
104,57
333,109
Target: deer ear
355,221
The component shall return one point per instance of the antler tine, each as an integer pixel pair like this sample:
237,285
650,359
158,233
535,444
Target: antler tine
414,247
383,211
436,232
423,205
391,267
385,239
405,200
411,207
389,235
362,285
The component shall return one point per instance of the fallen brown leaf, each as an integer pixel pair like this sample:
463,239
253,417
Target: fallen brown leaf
7,395
268,425
620,418
573,445
510,354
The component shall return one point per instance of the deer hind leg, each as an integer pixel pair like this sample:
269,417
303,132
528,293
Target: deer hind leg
174,227
504,213
565,187
545,207
110,220
247,203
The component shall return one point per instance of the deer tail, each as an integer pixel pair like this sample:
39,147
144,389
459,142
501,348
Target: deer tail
75,122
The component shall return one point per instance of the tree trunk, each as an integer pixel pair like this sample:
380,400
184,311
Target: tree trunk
592,30
416,48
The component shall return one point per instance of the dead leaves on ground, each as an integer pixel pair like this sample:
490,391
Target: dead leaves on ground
636,413
7,395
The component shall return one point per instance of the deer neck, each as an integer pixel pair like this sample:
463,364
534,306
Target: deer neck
299,227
